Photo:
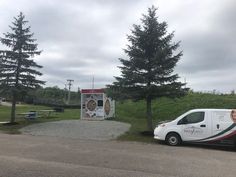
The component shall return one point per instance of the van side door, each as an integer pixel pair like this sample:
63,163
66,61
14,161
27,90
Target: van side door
195,126
220,121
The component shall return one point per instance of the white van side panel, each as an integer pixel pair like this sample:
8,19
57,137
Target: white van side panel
222,127
220,121
196,131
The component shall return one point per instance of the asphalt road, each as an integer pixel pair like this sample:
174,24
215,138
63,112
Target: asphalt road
41,156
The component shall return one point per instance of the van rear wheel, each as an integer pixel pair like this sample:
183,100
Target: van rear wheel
173,139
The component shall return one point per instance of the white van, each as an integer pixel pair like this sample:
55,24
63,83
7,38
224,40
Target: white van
200,126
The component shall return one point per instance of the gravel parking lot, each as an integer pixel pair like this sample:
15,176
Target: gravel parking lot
37,156
79,129
72,148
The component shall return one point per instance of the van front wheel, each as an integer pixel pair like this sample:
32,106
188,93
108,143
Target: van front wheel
173,139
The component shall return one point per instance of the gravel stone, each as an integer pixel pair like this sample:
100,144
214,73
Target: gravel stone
79,129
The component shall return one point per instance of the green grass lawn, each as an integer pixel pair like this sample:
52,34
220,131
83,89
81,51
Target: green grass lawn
130,112
68,114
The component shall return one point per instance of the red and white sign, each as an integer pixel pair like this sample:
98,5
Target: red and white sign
92,91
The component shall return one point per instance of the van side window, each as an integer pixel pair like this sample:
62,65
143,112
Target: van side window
192,118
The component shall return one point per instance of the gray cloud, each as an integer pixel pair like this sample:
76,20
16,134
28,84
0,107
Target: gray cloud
209,56
82,39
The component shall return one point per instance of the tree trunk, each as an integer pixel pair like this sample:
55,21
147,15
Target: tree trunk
149,114
13,109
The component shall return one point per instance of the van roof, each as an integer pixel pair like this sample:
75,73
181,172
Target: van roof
207,109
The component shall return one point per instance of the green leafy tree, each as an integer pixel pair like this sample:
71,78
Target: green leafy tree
148,73
18,69
51,96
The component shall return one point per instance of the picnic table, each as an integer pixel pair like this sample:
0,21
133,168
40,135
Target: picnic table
46,112
29,115
36,114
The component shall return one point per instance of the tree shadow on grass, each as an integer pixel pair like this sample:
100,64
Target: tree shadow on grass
147,133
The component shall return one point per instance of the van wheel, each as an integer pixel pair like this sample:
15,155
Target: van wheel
173,139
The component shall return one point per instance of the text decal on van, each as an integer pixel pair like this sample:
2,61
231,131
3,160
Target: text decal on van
193,130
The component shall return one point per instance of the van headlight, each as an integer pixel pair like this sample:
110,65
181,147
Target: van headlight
161,125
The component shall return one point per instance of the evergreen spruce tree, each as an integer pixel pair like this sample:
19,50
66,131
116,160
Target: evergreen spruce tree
18,71
148,73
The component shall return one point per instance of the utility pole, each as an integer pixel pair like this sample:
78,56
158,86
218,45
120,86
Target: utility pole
65,93
69,84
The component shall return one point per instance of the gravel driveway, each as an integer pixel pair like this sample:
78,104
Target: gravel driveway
79,129
28,156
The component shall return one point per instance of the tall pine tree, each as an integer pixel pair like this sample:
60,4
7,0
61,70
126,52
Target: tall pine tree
18,71
148,73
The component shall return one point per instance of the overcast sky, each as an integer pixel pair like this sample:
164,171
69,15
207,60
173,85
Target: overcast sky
81,39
